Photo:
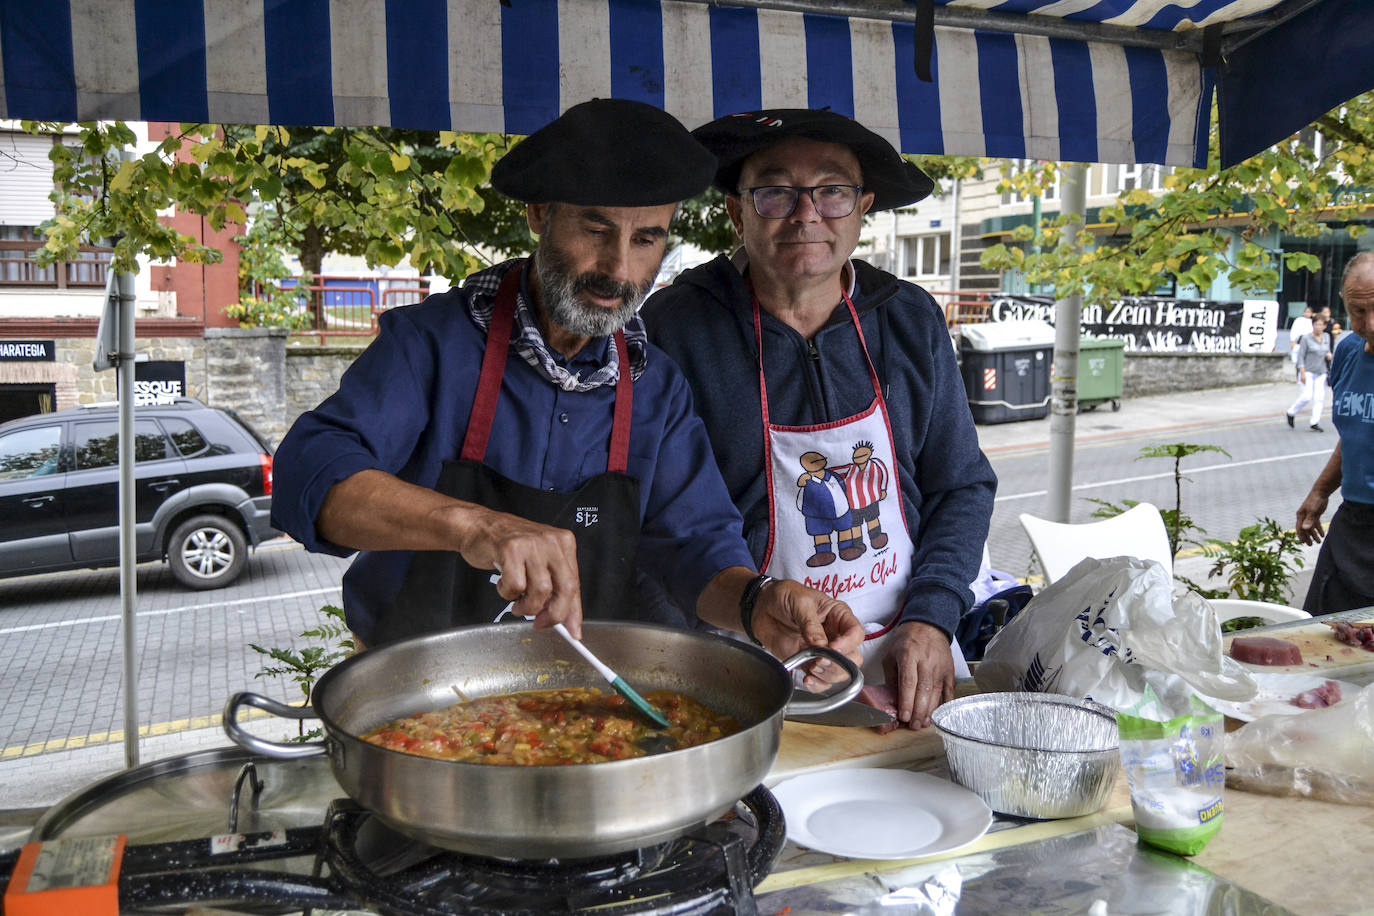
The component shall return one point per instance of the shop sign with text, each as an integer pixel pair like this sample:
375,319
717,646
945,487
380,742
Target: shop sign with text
28,351
1161,324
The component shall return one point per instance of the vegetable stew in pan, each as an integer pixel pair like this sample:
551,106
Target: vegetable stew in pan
552,727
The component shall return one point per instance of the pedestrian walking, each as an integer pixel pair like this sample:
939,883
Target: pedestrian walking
1314,353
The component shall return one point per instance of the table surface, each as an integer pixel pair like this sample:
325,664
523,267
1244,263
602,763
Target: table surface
1307,856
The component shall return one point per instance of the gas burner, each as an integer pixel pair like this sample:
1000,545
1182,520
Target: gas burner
708,871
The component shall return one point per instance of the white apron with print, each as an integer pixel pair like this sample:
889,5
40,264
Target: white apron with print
836,521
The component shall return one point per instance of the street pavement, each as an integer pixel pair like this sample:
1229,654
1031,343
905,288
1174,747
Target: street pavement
38,780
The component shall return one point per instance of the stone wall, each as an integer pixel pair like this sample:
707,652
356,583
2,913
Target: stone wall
76,381
246,371
1147,373
312,374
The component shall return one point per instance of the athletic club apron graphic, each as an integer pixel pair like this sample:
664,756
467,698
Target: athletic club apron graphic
441,590
835,516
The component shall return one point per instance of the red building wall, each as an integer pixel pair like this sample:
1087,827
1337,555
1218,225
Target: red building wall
202,290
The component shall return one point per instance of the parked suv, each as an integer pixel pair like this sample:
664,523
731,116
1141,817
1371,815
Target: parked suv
203,481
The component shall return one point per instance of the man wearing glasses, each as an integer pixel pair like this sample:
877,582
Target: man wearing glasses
795,350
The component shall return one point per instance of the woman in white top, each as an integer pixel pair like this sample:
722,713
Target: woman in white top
1314,351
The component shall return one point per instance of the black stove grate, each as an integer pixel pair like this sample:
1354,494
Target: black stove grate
706,872
709,871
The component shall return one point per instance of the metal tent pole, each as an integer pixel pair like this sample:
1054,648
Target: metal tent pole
1064,372
128,548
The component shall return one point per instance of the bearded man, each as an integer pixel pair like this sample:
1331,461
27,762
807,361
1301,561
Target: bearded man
522,423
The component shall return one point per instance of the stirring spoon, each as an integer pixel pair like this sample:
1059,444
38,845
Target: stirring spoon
616,681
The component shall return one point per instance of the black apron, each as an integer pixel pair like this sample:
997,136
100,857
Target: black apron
1341,580
441,590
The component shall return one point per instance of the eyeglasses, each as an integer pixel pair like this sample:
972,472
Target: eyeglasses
832,201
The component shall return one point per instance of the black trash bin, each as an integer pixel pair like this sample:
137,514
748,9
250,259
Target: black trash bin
1006,369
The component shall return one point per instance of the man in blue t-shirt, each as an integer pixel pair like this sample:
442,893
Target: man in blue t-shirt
1344,577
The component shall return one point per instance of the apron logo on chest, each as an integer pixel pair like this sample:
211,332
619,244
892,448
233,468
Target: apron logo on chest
842,501
836,585
586,515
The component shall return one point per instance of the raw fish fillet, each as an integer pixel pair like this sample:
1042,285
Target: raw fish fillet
1328,694
1265,650
882,697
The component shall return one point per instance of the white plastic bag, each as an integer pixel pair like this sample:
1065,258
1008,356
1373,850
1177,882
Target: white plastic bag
1107,629
1321,753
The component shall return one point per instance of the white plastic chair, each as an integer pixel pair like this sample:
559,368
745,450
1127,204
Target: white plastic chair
1138,532
1230,608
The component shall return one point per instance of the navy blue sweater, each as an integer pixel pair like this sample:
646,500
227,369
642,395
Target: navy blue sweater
704,322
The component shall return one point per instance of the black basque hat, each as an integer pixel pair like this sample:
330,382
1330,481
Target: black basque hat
894,181
609,153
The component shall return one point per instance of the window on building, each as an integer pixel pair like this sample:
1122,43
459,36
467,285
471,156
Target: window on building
1050,193
1118,178
26,183
925,255
18,267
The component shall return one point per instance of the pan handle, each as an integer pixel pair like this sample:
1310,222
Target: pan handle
281,749
803,707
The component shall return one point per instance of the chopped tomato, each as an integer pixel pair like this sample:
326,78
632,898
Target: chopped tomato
549,727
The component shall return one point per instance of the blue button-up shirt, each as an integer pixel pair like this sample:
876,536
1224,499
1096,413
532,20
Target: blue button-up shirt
403,407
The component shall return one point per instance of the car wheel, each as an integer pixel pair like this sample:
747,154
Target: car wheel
207,551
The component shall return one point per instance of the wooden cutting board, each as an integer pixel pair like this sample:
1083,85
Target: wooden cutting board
807,748
810,748
1322,653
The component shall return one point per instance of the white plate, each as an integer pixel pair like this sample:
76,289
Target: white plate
865,813
1275,695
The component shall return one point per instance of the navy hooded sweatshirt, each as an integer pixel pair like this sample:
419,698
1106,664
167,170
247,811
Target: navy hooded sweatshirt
704,322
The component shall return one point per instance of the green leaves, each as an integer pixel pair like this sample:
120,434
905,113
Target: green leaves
1207,222
1259,562
382,193
304,666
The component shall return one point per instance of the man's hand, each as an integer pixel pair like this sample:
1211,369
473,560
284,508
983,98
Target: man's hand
1309,522
788,617
373,510
538,565
920,670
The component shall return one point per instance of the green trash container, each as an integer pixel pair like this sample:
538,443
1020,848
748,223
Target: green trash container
1100,367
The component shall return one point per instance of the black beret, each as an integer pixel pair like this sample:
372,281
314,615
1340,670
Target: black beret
894,181
609,153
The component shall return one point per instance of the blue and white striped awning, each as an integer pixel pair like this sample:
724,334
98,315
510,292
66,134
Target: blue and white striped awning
1105,80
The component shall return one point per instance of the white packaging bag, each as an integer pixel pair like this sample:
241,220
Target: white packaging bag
1108,628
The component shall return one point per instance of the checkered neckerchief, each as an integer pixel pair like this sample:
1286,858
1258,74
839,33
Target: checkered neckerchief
529,343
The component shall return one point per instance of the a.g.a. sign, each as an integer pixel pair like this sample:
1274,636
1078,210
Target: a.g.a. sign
1160,323
159,382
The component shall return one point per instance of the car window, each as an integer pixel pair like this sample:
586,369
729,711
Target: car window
97,443
30,452
185,437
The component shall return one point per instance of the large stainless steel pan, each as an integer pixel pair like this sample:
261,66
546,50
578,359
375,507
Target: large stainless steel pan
547,811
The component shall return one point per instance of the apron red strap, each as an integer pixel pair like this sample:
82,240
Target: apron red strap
619,458
863,345
763,386
493,368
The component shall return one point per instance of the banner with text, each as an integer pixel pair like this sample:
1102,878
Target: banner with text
159,381
1159,323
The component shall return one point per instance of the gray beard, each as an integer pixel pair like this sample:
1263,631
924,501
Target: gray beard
560,294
